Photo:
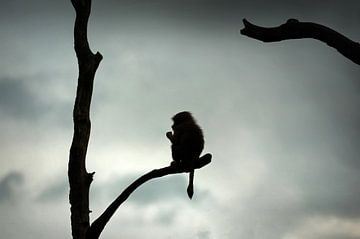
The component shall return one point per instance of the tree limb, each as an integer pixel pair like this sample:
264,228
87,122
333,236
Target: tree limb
79,178
294,29
98,225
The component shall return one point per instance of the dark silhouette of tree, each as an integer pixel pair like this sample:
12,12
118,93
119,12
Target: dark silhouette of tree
294,29
79,178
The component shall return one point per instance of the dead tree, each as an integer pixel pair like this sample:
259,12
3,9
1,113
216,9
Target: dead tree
294,29
79,178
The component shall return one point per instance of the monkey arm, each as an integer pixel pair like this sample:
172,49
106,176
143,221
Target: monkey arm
99,224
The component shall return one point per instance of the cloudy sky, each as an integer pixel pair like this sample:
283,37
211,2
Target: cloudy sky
281,119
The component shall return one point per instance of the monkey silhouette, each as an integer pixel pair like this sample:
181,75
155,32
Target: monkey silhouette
187,143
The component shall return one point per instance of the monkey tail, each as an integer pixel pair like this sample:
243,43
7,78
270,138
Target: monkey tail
190,188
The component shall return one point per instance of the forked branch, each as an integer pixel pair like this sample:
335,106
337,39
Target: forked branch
98,225
294,29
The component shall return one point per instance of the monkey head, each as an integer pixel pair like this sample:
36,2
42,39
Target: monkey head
182,117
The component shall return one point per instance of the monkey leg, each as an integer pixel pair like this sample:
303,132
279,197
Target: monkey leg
178,153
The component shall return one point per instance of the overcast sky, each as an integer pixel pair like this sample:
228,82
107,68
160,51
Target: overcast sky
281,119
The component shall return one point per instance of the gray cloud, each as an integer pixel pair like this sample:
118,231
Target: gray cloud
55,192
10,185
166,216
290,194
17,101
292,107
338,236
20,101
204,235
334,194
217,15
168,188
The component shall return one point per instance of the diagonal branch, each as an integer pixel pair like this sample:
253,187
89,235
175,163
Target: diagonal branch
294,29
98,225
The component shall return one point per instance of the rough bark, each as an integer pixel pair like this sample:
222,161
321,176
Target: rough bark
294,29
79,178
98,225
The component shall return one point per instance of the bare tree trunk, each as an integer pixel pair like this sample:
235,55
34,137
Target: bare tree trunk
294,29
79,178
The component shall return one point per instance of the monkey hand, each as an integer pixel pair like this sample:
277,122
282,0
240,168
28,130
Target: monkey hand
169,135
